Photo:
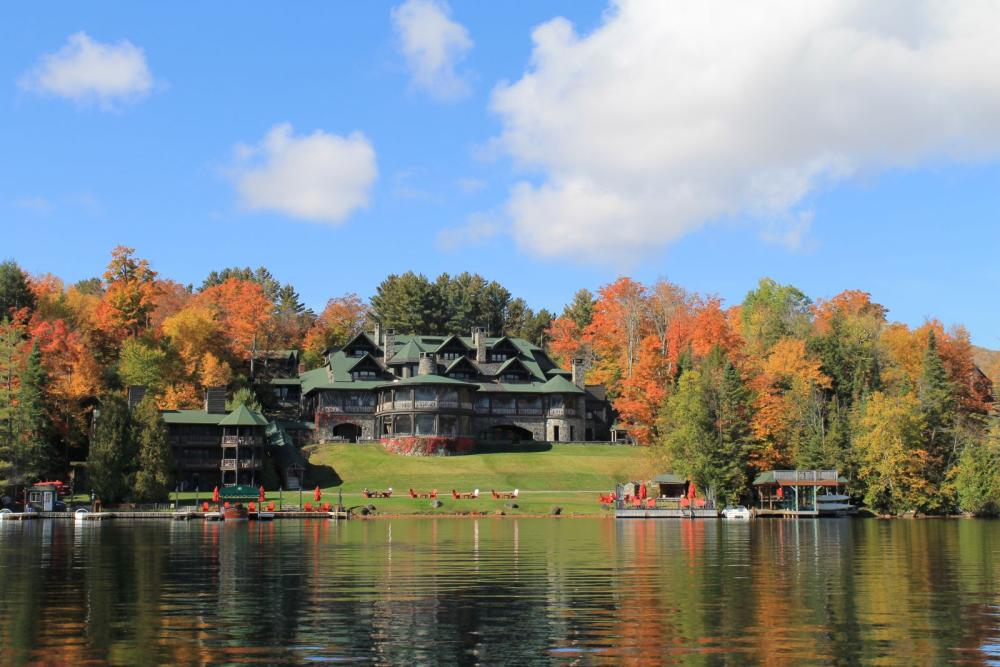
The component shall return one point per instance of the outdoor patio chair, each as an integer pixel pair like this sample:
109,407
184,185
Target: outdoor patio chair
413,494
270,506
204,506
327,507
434,493
251,507
309,507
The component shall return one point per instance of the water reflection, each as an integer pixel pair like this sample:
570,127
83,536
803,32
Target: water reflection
525,591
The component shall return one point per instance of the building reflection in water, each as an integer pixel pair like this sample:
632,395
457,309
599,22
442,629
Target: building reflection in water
499,590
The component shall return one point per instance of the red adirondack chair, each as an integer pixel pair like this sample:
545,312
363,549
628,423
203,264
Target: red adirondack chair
309,506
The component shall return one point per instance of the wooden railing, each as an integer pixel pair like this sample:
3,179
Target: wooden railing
242,441
805,475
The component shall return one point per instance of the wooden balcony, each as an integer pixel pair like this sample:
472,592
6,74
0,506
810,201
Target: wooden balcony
241,441
242,464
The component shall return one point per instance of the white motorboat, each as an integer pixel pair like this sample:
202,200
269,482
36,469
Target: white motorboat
739,513
834,504
80,515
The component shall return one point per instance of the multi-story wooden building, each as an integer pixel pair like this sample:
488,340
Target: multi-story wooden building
384,386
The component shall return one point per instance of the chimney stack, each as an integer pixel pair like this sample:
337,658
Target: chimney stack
135,395
427,364
479,341
578,379
377,335
215,400
388,345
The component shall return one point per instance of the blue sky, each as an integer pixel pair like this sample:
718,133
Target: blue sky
548,160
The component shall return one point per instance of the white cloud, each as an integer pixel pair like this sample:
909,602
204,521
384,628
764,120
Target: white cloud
320,177
478,228
433,46
88,71
674,114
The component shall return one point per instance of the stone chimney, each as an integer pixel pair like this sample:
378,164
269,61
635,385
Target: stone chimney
215,400
479,341
302,369
578,372
377,334
427,364
135,395
388,345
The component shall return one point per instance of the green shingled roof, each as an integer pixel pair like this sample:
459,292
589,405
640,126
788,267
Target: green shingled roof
243,416
560,385
426,379
192,417
409,352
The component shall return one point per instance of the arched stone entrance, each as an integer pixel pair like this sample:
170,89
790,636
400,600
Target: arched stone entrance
347,431
510,433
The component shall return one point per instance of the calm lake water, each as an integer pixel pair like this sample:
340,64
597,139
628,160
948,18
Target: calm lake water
515,591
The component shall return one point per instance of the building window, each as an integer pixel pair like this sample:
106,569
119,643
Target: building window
512,377
448,425
451,356
497,356
425,424
402,425
425,395
364,375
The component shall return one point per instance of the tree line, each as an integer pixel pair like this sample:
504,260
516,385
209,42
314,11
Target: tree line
718,393
782,381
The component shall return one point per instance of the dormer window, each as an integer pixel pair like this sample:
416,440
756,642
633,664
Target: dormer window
451,356
497,356
364,375
512,377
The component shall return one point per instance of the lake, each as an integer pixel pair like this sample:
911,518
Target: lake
491,591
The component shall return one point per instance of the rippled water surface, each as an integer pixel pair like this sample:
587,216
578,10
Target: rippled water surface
515,591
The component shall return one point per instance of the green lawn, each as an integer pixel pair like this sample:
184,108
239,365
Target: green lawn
535,468
547,476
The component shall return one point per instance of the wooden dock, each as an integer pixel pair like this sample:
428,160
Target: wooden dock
171,516
666,513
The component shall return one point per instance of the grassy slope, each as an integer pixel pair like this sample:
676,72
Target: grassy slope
569,476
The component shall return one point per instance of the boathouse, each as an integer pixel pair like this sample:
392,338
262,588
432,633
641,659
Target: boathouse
794,492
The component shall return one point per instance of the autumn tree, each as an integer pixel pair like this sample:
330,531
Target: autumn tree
620,321
342,319
892,463
977,475
154,462
244,312
142,364
772,312
130,293
565,341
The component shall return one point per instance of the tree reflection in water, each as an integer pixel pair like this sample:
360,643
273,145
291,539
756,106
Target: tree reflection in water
522,591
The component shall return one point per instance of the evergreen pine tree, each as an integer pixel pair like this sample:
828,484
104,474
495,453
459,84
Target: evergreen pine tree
33,430
111,455
15,293
155,460
937,404
733,429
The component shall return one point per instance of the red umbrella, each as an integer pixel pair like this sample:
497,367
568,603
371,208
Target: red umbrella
781,492
692,491
642,491
215,495
317,494
262,498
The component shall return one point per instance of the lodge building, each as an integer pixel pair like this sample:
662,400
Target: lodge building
384,386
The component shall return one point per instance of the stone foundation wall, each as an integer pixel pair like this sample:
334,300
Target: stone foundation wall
325,423
413,445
